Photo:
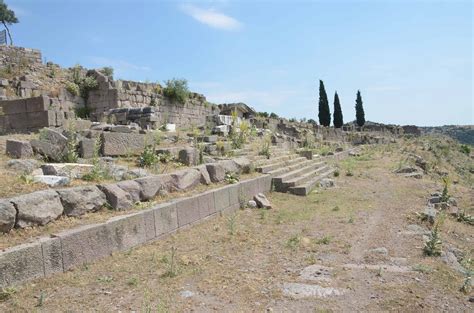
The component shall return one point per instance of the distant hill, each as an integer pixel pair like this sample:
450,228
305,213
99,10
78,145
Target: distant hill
462,133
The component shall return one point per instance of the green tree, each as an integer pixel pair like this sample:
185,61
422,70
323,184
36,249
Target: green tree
360,115
177,90
338,121
7,17
324,114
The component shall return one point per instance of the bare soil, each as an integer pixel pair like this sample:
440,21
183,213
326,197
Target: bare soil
353,248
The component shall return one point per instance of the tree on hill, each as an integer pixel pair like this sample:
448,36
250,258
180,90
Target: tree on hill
360,115
324,113
338,121
7,17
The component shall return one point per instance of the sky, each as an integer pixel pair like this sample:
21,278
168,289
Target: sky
411,60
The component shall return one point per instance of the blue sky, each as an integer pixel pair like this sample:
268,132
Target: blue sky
412,60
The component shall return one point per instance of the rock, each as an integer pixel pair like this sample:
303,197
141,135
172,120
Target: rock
71,170
116,144
430,214
19,149
135,173
37,208
406,170
205,178
26,166
124,129
381,250
354,153
211,139
132,188
7,216
252,204
80,200
117,172
434,199
102,127
86,148
229,166
186,294
339,149
298,291
453,211
216,172
151,185
185,179
49,150
416,175
117,197
262,201
208,159
452,201
189,156
52,180
243,165
326,183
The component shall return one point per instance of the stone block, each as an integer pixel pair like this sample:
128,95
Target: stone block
19,149
127,231
242,164
41,119
18,121
37,104
265,183
229,166
189,156
216,172
116,197
52,180
187,210
85,244
116,144
80,200
132,188
185,179
71,170
25,166
234,194
52,255
211,139
149,218
166,218
221,198
150,185
7,216
86,148
21,263
37,208
13,106
249,188
205,178
206,204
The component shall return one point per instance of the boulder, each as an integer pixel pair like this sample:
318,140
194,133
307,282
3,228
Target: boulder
262,201
205,178
19,149
51,180
37,208
185,179
252,204
216,172
211,138
71,170
49,150
26,166
7,216
229,166
189,156
326,183
151,185
80,200
116,144
86,148
135,173
117,197
132,188
243,165
416,175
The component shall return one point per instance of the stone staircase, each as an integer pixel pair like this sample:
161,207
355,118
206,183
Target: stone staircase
291,172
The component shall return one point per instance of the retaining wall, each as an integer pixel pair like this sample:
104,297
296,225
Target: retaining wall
65,250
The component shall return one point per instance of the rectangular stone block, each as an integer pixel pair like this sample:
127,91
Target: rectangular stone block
115,144
166,218
206,204
249,188
37,104
18,121
127,231
265,183
21,263
85,244
52,255
187,210
41,119
221,198
234,194
13,106
149,218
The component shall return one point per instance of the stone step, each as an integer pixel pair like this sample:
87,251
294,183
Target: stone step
265,169
306,188
302,179
280,179
264,161
293,166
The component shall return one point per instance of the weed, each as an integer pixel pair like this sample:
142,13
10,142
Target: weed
466,218
104,279
71,155
177,90
41,298
335,209
263,213
172,270
433,244
293,242
231,224
324,240
468,264
231,178
26,178
6,293
148,158
132,282
72,88
265,149
421,268
97,173
445,195
336,173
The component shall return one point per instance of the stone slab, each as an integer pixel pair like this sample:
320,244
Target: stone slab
21,263
52,255
206,204
221,198
127,231
166,218
117,144
187,210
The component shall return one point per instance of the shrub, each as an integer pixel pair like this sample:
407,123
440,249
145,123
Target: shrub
231,178
72,88
433,244
82,112
148,158
265,150
465,149
87,84
107,71
71,150
273,115
177,90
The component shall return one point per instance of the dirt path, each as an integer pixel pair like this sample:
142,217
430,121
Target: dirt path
353,248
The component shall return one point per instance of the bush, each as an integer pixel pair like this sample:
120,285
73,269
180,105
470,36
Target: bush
82,112
273,115
87,84
465,149
148,158
107,71
177,90
72,88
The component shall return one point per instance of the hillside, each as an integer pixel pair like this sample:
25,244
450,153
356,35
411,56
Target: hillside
462,133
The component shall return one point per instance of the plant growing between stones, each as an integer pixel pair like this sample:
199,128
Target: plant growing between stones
71,155
148,158
445,195
294,242
98,172
265,149
231,224
172,270
177,90
468,265
434,244
231,178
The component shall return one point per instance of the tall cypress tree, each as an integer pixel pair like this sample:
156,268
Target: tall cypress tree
324,114
360,115
338,122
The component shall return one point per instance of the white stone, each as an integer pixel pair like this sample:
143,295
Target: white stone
51,180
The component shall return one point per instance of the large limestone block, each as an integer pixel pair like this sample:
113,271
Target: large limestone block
80,200
19,149
151,185
189,156
216,172
21,263
127,231
117,198
116,144
166,218
37,208
185,179
71,170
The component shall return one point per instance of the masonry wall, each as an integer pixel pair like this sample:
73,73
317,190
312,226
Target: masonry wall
65,250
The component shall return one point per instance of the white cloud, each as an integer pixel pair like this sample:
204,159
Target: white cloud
212,17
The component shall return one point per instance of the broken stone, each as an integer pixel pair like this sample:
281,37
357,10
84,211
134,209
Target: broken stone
135,173
116,144
189,156
205,178
19,149
243,165
298,290
26,166
216,172
37,208
185,179
316,272
52,180
430,214
381,250
71,170
117,197
262,201
86,148
326,183
7,216
80,200
406,170
416,175
132,188
252,204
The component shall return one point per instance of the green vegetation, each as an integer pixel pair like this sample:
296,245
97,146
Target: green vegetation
433,244
84,83
72,88
98,172
231,178
445,195
71,155
177,90
338,120
465,149
324,113
360,114
172,270
107,71
148,158
7,17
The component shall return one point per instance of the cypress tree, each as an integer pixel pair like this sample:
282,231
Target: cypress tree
324,114
338,122
360,115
